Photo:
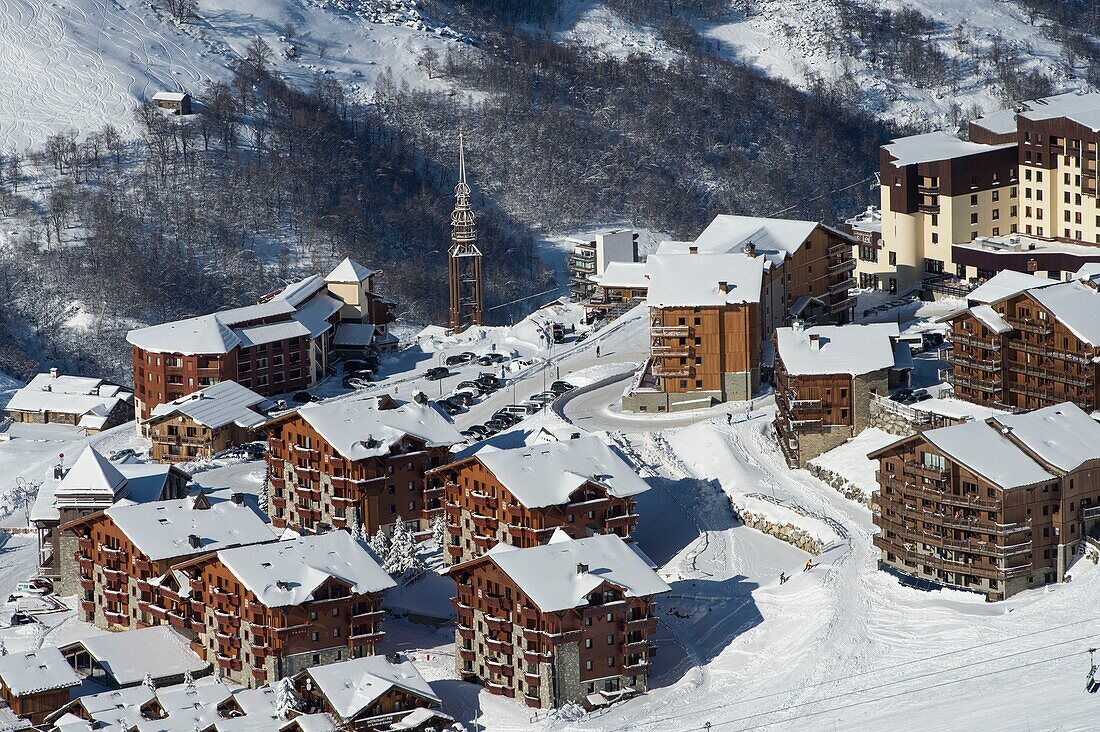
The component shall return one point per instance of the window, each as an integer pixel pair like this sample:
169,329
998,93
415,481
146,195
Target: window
932,461
996,196
587,665
893,259
974,199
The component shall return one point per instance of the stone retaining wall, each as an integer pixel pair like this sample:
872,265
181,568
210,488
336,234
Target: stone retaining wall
789,533
843,486
887,421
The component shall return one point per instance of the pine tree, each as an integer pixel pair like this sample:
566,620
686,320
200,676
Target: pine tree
380,544
148,683
439,530
188,680
402,557
286,698
3,648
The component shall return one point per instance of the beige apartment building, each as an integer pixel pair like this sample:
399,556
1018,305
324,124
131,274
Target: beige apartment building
1028,171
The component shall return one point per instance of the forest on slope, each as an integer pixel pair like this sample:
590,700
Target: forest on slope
271,182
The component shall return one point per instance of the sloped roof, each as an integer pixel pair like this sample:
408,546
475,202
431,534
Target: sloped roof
1074,303
202,334
1006,283
92,473
623,274
982,448
78,395
688,280
354,334
348,271
33,672
550,577
226,402
933,146
127,656
990,318
352,686
160,530
1061,435
842,349
357,429
777,237
288,572
546,474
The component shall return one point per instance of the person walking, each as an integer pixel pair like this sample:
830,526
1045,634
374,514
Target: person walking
597,351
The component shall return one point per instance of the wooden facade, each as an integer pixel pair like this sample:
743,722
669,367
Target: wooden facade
35,707
1037,363
505,642
481,513
943,524
178,438
253,644
693,348
312,487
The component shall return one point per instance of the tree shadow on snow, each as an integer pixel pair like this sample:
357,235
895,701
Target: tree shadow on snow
698,620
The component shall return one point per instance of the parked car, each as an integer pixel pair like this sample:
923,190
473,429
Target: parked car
491,358
356,382
507,417
436,373
902,396
450,407
119,455
21,618
489,380
522,409
470,434
558,331
497,425
491,429
560,387
544,397
42,582
354,365
479,429
301,397
32,588
475,385
459,358
464,398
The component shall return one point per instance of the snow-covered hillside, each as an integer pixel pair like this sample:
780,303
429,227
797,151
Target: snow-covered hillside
79,64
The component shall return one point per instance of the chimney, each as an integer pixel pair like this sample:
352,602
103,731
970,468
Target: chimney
282,585
750,250
420,398
194,541
575,436
582,568
238,499
693,249
723,287
58,471
815,342
54,372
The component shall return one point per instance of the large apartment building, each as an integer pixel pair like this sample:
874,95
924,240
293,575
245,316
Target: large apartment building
573,620
713,301
124,552
356,461
1019,346
825,377
1029,170
522,495
268,611
592,256
995,506
283,343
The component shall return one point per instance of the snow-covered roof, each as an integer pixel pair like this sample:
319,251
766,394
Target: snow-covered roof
551,577
357,429
870,219
287,573
1076,305
956,409
1088,271
226,402
167,96
68,395
689,280
420,717
1081,108
774,239
1006,283
990,318
548,473
840,349
1061,435
318,722
294,311
127,656
983,449
354,334
161,530
33,672
623,274
352,686
349,271
116,705
92,475
933,146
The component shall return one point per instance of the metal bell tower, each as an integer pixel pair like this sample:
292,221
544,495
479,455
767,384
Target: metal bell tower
464,256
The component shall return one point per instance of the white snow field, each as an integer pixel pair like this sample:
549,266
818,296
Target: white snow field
79,64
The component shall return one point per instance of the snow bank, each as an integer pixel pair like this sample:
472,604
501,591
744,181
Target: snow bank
849,462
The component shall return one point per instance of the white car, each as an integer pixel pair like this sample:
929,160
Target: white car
29,589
